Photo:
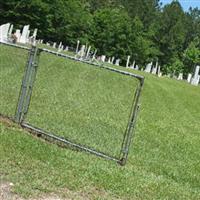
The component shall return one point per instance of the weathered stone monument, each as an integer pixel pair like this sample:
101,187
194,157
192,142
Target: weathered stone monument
127,62
148,67
180,76
154,70
117,62
196,77
4,29
25,34
77,46
103,58
189,78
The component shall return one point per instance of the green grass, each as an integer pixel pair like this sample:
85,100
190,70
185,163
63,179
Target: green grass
164,158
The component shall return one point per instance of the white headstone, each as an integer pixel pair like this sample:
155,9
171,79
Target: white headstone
66,48
77,46
88,52
109,60
136,67
94,55
81,53
18,35
189,78
54,45
4,29
195,79
117,62
154,71
24,36
103,58
148,67
127,62
10,30
180,76
112,60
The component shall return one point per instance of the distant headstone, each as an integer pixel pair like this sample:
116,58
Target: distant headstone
25,34
148,67
81,53
77,46
10,30
66,48
136,67
103,58
18,35
117,62
189,78
88,52
112,60
4,29
109,60
180,76
154,70
127,62
94,55
196,77
54,45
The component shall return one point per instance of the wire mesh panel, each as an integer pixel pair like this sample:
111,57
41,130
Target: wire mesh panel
84,104
12,65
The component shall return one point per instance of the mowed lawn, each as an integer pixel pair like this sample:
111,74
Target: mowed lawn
164,158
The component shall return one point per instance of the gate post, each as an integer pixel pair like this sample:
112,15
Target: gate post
27,83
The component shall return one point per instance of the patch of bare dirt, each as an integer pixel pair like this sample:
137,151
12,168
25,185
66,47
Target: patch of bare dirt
7,194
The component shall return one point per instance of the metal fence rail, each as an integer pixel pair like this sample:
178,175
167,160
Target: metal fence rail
26,94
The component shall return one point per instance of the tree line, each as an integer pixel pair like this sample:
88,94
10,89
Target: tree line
143,29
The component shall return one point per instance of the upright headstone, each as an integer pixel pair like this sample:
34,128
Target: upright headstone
10,30
81,53
77,46
127,62
117,62
112,60
109,60
154,70
94,55
180,76
189,77
18,35
136,67
103,58
148,67
54,45
88,52
24,36
66,48
4,29
195,79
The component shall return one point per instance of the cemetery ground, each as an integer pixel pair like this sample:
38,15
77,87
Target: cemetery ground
164,158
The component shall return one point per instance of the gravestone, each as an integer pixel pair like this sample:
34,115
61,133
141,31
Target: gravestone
88,52
154,70
189,77
4,29
94,55
180,76
66,48
195,79
117,62
136,67
127,62
54,45
103,58
10,30
18,35
112,60
81,53
24,36
148,67
77,46
109,60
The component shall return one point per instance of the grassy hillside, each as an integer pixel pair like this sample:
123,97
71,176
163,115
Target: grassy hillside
164,156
